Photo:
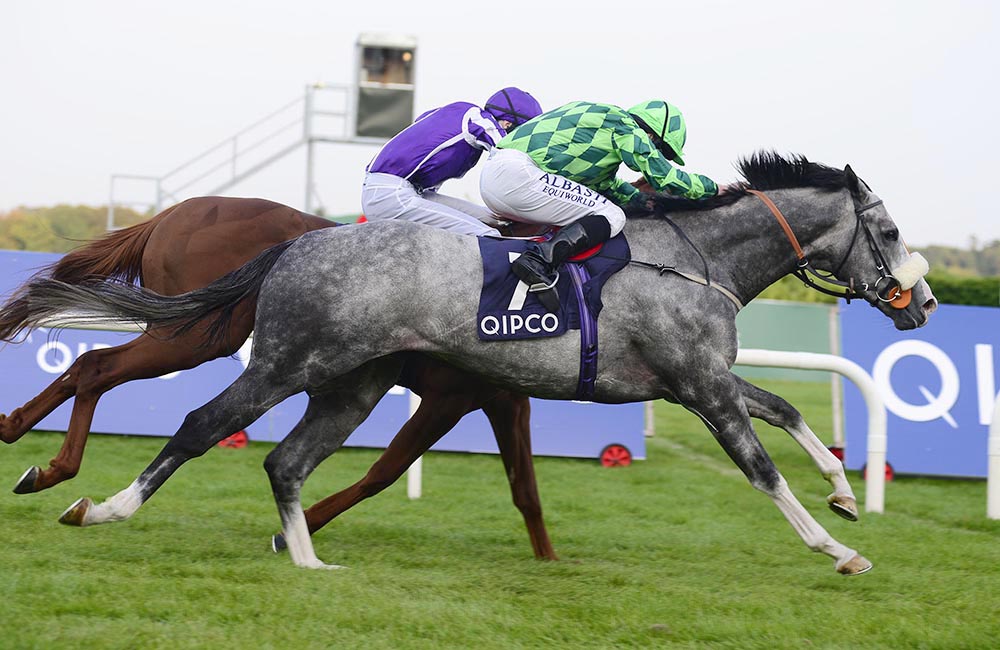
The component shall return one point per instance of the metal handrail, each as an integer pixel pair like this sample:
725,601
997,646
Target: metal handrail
228,141
236,149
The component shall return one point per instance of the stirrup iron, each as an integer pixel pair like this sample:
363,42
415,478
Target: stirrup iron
539,287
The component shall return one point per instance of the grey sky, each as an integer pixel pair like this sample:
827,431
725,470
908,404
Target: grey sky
900,90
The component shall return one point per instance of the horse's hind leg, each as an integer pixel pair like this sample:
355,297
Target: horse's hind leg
245,400
334,412
95,373
718,402
510,416
435,417
89,377
23,418
448,395
779,413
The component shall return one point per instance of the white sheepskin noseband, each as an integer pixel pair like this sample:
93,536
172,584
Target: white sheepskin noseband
910,272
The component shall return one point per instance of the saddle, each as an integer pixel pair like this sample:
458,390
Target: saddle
508,311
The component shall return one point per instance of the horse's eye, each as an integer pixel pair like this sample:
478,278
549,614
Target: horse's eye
891,235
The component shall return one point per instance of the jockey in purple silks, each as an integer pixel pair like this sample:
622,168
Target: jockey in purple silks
402,180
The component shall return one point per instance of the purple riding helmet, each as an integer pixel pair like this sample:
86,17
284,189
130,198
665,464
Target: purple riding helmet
513,104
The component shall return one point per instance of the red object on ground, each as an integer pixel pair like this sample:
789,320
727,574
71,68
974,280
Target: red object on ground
238,440
362,219
889,472
616,456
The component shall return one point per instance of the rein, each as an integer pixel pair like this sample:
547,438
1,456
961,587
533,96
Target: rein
705,281
887,288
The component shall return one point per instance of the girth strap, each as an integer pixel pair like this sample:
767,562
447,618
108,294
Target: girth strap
697,279
588,335
693,277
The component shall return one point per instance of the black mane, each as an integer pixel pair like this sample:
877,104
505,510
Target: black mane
763,170
768,170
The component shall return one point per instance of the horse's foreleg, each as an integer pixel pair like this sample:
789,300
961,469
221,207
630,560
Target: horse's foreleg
333,413
720,405
779,413
510,416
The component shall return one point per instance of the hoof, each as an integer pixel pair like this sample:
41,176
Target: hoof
26,484
846,507
855,566
320,565
278,543
76,513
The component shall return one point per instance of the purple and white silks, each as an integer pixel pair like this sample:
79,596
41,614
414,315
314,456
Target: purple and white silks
441,144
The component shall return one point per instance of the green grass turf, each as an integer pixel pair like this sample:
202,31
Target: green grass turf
676,551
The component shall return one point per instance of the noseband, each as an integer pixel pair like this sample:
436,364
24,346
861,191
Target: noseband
887,288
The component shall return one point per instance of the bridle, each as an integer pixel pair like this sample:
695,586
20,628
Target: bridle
886,288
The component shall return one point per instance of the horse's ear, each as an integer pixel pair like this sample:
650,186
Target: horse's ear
853,183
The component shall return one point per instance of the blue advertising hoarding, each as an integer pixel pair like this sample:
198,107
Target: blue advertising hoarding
939,384
156,407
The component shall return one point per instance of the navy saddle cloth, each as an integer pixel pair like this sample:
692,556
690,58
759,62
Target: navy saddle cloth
508,311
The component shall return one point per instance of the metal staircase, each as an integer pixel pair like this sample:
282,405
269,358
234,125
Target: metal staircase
323,113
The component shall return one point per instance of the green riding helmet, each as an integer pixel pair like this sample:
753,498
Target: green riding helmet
666,121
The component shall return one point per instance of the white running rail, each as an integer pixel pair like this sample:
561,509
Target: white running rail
875,482
993,457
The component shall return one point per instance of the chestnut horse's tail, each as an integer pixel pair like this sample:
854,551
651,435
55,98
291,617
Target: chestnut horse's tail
43,299
117,255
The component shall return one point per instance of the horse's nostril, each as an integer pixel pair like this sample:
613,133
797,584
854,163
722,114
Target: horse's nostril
930,306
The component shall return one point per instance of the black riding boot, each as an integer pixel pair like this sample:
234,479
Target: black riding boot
538,265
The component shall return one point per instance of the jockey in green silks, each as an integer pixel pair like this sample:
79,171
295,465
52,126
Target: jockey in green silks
560,169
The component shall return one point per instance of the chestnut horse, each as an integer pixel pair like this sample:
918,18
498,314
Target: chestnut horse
188,246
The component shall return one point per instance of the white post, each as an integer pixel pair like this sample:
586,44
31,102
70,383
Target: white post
414,475
650,429
307,136
111,206
993,457
875,483
836,392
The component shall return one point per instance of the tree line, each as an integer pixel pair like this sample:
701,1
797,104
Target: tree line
60,228
959,276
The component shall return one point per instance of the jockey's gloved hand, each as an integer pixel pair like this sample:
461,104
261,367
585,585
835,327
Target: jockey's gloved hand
640,203
642,184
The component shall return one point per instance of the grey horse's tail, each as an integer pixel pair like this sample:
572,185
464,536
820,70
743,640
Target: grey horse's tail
47,302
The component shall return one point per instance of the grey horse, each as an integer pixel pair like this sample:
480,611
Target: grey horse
334,307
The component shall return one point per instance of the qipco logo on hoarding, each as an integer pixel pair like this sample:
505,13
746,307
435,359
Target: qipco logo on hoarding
938,385
941,403
55,356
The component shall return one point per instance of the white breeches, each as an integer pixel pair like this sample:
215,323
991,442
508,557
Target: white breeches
515,188
384,196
